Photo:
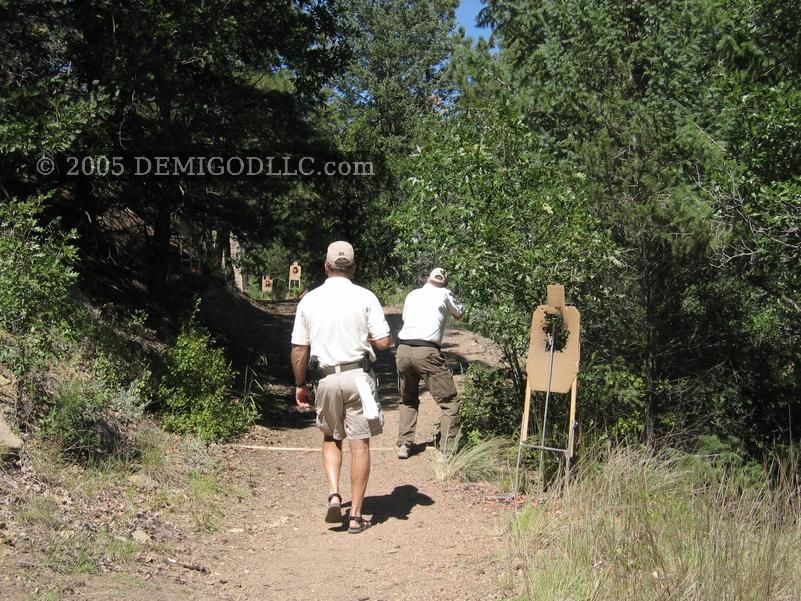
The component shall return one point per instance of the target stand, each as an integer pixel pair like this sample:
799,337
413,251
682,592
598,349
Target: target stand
550,370
266,286
295,272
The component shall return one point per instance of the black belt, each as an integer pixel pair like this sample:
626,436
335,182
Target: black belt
335,369
419,343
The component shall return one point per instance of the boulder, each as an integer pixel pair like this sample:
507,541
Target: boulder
10,443
140,536
6,387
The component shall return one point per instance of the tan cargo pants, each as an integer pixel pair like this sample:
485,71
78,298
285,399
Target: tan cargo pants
422,362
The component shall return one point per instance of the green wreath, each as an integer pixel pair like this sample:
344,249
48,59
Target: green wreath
554,322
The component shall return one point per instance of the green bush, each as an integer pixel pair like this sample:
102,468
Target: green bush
91,423
491,406
36,300
388,290
716,458
273,260
195,389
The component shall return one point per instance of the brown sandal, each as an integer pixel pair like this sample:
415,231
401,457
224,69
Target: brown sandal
363,524
334,513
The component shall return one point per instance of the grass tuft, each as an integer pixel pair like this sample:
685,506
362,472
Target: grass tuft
480,462
204,493
643,526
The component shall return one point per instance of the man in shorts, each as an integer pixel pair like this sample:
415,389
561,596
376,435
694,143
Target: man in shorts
340,324
419,356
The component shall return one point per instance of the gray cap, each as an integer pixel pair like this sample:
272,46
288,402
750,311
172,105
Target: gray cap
340,254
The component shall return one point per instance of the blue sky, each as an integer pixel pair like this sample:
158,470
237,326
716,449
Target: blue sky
466,17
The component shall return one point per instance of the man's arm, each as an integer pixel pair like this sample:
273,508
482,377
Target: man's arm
455,308
299,358
377,325
384,343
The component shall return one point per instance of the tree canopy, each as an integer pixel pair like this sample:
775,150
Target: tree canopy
646,154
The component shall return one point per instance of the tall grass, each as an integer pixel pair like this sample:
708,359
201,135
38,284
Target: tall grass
646,526
486,461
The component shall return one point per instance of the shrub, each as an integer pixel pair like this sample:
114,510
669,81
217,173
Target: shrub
490,404
273,260
195,388
36,278
388,290
91,423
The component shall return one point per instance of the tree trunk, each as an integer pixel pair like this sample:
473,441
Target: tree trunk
162,233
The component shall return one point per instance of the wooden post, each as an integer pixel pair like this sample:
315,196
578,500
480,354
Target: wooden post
571,431
526,410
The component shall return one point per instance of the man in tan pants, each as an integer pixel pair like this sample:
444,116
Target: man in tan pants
419,356
340,323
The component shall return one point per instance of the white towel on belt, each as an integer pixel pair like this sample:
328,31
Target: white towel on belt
369,405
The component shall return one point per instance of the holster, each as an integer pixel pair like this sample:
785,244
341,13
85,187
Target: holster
366,363
314,372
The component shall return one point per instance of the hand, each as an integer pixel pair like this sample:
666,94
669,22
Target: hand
303,397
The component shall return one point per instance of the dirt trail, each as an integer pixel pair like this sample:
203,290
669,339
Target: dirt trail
431,540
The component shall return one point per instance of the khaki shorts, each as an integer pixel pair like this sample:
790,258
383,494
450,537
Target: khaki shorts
339,407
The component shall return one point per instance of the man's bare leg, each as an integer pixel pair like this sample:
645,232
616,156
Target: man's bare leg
332,462
359,474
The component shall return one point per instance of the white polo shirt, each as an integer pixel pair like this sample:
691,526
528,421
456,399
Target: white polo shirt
425,311
336,319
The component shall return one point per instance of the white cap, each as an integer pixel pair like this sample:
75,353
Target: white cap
438,275
340,254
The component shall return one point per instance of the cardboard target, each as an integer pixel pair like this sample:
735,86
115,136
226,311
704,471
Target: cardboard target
566,361
295,272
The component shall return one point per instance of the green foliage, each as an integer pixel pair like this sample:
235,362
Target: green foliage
555,326
717,459
89,423
388,290
195,389
491,406
36,268
488,202
397,49
272,260
249,80
627,151
36,278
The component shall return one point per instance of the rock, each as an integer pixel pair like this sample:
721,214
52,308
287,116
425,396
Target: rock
140,536
10,443
141,481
